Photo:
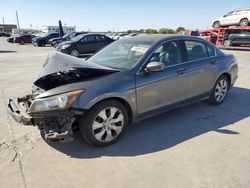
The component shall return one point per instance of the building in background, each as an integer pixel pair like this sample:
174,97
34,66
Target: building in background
23,31
51,29
7,27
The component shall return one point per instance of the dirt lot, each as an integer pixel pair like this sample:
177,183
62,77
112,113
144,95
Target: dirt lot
194,146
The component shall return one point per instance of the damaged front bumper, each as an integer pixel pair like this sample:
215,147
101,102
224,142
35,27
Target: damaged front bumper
56,124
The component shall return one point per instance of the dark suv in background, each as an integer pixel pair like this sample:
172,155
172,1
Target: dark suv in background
237,39
22,39
85,44
44,40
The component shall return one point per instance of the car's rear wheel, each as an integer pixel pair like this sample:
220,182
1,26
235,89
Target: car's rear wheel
105,123
74,53
22,42
244,22
41,43
216,24
228,42
220,91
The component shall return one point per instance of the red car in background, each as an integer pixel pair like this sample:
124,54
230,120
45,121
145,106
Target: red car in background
188,32
22,39
209,35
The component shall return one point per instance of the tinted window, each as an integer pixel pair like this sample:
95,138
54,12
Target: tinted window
210,50
100,38
90,38
229,14
168,54
195,50
54,35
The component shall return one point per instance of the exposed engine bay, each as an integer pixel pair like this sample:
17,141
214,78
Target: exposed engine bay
53,114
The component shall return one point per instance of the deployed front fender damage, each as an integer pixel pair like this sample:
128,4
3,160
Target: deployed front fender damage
58,70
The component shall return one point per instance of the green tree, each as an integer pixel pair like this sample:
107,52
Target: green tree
180,29
151,31
166,31
141,31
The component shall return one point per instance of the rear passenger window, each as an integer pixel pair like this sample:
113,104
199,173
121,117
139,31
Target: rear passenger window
100,38
210,50
195,50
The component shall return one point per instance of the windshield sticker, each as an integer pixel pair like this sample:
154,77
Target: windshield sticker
139,49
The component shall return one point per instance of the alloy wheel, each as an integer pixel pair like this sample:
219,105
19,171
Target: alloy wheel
75,53
108,124
221,90
244,22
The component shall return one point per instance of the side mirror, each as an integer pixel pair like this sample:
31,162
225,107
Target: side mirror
154,67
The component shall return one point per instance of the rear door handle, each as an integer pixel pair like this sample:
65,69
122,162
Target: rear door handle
181,71
213,62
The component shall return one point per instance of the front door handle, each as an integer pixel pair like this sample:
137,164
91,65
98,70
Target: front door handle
181,71
213,62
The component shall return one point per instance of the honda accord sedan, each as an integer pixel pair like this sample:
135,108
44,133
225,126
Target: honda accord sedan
127,81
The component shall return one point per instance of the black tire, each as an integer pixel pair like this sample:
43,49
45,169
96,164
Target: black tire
88,119
41,43
213,99
244,22
216,24
22,42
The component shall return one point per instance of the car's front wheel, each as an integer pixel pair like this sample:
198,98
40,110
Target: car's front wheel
105,123
74,53
244,22
220,91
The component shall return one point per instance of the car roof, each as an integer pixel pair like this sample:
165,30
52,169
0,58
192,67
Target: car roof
243,9
159,37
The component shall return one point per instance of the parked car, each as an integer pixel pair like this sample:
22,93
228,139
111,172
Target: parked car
44,40
120,36
10,39
242,38
239,17
3,34
188,32
55,41
210,35
125,82
85,44
22,39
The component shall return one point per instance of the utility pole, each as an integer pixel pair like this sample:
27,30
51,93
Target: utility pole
18,26
3,24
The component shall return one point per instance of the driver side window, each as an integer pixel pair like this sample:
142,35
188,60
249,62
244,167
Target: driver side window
168,53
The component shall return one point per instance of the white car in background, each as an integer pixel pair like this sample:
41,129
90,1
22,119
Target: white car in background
239,17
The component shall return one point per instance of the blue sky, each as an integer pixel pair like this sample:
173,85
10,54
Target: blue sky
104,15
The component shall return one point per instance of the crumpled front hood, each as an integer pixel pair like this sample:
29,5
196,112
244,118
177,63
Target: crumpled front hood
61,69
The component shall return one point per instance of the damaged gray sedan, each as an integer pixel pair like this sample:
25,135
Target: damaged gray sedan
127,81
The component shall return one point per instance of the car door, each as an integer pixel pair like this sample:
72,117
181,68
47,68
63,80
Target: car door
201,60
229,18
101,41
87,45
155,90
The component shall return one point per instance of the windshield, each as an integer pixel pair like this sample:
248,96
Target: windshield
121,55
77,38
66,35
